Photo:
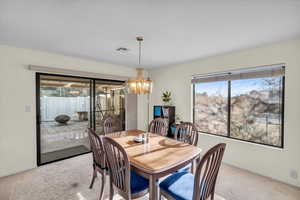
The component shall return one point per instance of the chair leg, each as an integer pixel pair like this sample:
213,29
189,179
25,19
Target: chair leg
111,192
212,196
93,179
102,185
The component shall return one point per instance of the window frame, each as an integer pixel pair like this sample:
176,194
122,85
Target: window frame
229,117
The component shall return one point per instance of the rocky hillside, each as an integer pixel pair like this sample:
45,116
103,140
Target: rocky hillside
254,116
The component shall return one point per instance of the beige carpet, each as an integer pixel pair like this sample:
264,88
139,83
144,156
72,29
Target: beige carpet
69,180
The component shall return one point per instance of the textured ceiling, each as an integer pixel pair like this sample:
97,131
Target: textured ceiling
175,31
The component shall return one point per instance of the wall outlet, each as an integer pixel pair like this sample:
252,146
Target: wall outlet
294,174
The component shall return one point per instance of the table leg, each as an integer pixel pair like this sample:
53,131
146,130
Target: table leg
153,188
194,164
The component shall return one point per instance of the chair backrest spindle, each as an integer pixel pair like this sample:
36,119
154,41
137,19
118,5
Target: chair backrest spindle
159,126
118,165
207,172
111,125
97,148
187,132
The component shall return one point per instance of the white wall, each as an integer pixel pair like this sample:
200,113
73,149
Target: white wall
17,89
264,160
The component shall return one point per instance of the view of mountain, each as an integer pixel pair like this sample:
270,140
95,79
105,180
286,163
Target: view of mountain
255,115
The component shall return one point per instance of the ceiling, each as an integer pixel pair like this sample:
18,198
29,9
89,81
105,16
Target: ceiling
175,31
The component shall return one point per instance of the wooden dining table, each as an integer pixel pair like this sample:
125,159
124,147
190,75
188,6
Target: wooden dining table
157,158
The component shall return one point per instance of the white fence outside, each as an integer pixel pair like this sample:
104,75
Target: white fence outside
54,106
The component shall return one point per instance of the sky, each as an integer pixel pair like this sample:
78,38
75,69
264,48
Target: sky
237,86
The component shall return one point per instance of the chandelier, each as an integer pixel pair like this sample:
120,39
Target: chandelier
139,85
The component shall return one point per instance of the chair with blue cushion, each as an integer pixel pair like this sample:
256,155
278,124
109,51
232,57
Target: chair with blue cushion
158,126
111,124
99,164
124,181
187,132
201,186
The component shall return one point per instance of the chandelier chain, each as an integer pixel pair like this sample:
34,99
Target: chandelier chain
140,52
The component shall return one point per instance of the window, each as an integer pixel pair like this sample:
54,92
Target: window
211,107
245,105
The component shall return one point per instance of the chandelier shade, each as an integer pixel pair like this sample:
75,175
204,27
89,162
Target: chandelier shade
139,85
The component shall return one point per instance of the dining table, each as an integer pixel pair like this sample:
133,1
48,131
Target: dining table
157,157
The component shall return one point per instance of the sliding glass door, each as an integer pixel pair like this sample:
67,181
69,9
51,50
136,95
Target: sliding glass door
109,102
67,106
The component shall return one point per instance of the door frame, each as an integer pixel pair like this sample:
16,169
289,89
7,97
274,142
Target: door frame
38,109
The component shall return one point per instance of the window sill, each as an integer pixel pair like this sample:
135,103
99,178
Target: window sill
243,141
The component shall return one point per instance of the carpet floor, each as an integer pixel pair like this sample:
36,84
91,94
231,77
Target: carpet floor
69,180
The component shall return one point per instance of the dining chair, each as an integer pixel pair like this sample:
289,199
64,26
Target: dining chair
125,181
186,186
99,163
187,132
111,125
158,126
